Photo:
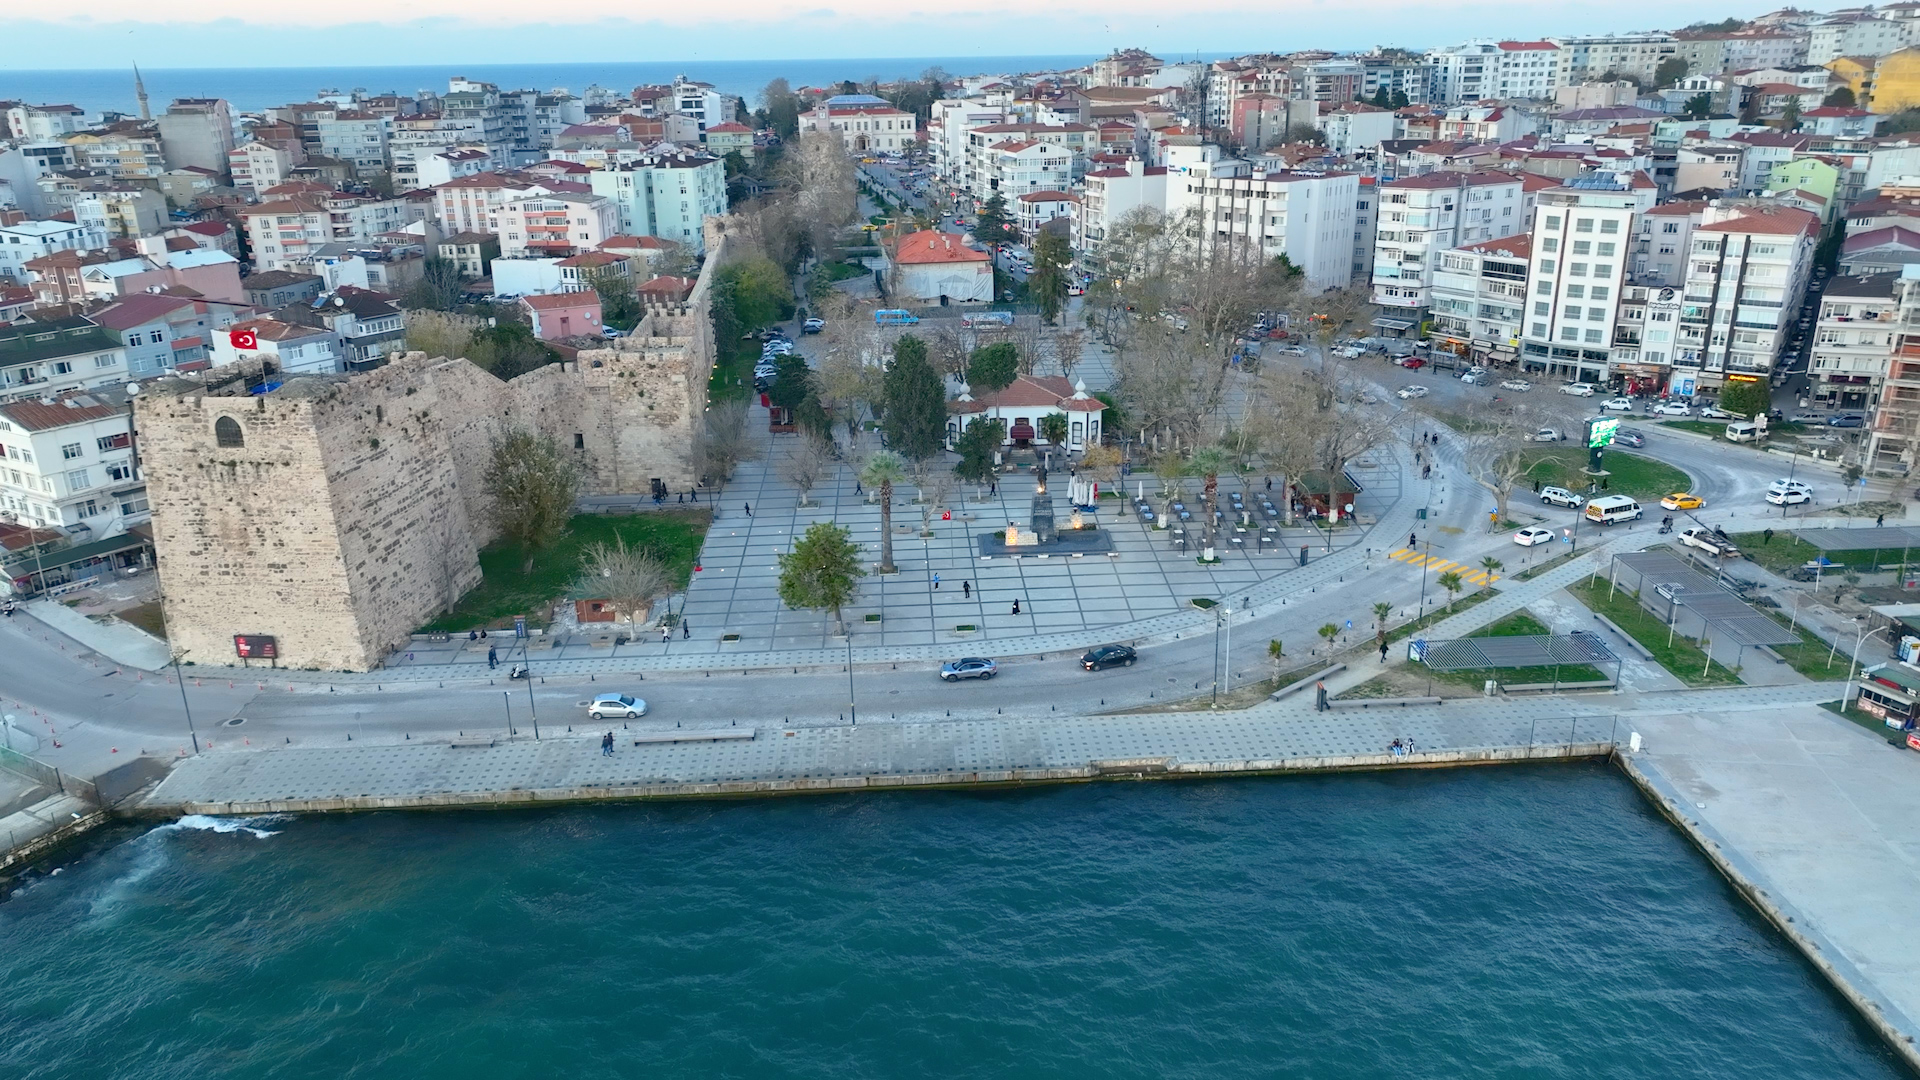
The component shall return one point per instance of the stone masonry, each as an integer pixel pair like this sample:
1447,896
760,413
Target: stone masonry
352,508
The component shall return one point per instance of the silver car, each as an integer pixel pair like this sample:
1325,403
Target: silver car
969,667
619,706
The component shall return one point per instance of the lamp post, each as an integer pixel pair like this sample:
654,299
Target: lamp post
526,662
1846,694
175,655
853,710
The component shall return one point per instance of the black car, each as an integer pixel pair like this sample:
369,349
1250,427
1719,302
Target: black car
1108,656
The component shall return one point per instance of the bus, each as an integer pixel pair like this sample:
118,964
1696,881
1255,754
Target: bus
894,317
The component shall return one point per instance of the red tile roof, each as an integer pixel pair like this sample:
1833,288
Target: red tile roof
34,416
932,246
138,309
555,301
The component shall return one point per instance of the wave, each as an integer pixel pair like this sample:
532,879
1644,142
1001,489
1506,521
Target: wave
210,823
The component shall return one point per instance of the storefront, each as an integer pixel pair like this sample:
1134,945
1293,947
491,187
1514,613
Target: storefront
1892,693
1636,380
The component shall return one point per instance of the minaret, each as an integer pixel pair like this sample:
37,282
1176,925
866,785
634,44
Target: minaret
140,91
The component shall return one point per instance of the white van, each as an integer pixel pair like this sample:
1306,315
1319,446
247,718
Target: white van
1741,431
1611,508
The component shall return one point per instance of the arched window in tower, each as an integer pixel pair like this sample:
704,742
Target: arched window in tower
226,432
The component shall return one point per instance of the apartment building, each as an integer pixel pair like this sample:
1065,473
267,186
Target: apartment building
560,224
1422,216
294,349
1366,219
1893,443
68,461
1017,166
1305,216
162,332
708,107
1078,141
665,195
1581,238
34,123
470,112
257,166
1112,194
1855,334
415,168
1748,271
1508,70
1480,299
287,233
1664,246
23,241
1589,59
947,135
129,150
357,138
1400,74
197,133
473,203
57,355
1858,33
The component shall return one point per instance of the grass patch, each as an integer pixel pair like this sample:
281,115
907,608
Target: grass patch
732,375
1203,603
1380,686
1409,629
1643,478
1519,624
1535,571
1682,658
1817,660
673,537
147,617
1787,552
1715,428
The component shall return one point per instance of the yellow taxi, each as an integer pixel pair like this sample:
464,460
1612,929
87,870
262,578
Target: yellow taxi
1680,500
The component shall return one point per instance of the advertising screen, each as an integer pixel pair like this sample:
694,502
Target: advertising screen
1600,431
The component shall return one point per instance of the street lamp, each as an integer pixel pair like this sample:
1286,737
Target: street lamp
853,710
175,655
1846,694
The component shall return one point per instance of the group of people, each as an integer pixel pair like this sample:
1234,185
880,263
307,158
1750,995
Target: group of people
1400,747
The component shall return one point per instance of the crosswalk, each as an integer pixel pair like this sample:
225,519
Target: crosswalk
1470,575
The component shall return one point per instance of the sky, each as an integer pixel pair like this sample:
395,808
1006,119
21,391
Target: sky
279,33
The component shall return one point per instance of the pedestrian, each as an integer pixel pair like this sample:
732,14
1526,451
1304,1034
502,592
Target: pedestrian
749,507
493,659
856,488
686,628
1766,536
966,590
1383,652
1412,539
665,633
1016,607
1426,472
1881,520
936,580
993,487
1269,483
1536,487
606,745
1320,696
695,492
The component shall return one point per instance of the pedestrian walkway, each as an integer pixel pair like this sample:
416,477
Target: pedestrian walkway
1439,565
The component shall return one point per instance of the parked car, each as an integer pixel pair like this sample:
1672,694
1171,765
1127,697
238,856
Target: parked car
813,326
1630,437
1559,496
617,706
969,667
1533,535
1681,500
1618,404
610,333
1103,656
1291,350
1847,420
1714,412
1547,434
1804,417
1788,493
1408,393
1412,363
1673,408
1578,389
1520,385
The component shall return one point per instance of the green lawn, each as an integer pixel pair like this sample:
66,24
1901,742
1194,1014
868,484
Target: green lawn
1715,428
1466,601
1683,658
1786,552
732,375
1520,624
672,536
1630,474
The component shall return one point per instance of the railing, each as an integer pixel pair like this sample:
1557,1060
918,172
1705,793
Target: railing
43,773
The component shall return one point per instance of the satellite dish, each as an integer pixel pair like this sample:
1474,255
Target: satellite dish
133,389
339,301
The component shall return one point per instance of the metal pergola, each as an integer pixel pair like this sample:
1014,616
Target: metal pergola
1520,651
1694,605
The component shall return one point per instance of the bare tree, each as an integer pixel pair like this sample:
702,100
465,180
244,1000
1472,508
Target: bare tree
825,197
1173,384
806,462
934,480
628,577
721,443
1501,443
1067,347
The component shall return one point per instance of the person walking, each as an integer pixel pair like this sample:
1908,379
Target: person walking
686,628
966,590
1881,520
665,633
856,488
1383,652
1016,607
749,507
606,745
493,658
1320,696
936,580
694,493
1412,539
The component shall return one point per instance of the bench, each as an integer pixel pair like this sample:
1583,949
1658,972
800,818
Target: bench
471,740
1300,684
1368,703
1639,649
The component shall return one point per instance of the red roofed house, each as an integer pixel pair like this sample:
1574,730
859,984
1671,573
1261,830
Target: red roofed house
935,265
865,124
1036,208
1022,405
563,315
723,139
667,289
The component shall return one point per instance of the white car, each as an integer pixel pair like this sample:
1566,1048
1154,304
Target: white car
1578,389
1531,536
1788,493
1618,404
1409,392
1709,412
1521,385
1547,434
1559,496
616,705
1673,408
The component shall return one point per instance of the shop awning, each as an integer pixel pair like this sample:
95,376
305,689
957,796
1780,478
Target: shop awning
1385,323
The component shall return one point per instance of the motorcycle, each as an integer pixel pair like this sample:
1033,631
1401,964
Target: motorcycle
518,671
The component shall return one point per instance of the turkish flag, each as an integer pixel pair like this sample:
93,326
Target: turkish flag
243,339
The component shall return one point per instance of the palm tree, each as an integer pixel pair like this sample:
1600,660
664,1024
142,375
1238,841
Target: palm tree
1329,631
883,470
1208,461
1492,566
1450,581
1380,612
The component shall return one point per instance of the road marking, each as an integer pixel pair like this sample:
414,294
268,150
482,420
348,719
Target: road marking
1439,565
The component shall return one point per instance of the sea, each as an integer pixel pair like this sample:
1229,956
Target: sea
254,89
1536,922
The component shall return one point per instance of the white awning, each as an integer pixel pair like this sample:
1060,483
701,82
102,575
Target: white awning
1385,323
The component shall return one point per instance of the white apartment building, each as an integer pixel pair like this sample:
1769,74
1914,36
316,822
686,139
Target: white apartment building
1479,70
1018,166
33,123
416,167
473,203
1854,340
1079,141
1749,268
51,357
1665,245
1112,194
69,461
296,350
1366,219
1858,33
562,224
1354,128
257,166
947,136
27,240
665,195
1305,216
357,138
285,234
1586,59
708,107
1480,299
1422,216
1580,256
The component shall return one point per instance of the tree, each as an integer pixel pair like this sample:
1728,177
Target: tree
1209,462
993,367
1305,133
1451,582
1746,399
721,442
437,334
508,349
438,288
914,416
1052,273
532,485
1328,631
1381,99
1400,99
620,305
807,463
793,381
822,573
1670,71
1381,612
1697,107
934,482
977,445
1492,566
1841,98
1501,450
1790,115
991,225
1102,462
883,470
760,292
782,108
1053,428
825,195
629,577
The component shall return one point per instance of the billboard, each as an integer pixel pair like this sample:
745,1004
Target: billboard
1601,430
255,646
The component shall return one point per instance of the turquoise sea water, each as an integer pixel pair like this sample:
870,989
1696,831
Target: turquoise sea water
1509,922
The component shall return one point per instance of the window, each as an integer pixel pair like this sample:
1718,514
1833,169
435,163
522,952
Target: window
1598,292
1604,270
133,339
77,480
71,451
1569,333
1553,221
1543,288
103,361
134,506
1571,311
113,442
63,367
579,441
1539,329
1584,224
1577,269
1593,337
1576,292
1671,227
1546,266
226,432
1610,226
1540,307
1583,247
1597,314
156,336
120,470
1550,244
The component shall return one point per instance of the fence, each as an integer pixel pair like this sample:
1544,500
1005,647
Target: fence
42,773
